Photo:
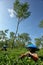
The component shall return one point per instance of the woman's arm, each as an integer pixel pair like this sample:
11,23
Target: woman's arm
33,56
24,55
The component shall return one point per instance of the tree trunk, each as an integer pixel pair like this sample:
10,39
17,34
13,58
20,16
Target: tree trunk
17,27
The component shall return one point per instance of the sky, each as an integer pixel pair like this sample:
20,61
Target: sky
30,25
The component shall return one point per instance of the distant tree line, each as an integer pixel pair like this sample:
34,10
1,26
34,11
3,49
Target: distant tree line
20,41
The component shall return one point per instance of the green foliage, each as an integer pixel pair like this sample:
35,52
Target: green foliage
3,34
12,35
37,41
25,36
11,42
11,57
41,24
3,37
21,11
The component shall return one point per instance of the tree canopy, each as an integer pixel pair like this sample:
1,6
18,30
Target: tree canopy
21,10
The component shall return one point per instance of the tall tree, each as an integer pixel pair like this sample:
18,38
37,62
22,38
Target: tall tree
6,38
24,37
22,11
12,37
3,36
38,41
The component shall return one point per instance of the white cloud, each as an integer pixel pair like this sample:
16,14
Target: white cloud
11,12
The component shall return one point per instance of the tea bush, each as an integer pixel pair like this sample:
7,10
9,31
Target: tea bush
11,57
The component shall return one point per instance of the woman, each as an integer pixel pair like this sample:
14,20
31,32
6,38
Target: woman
31,53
